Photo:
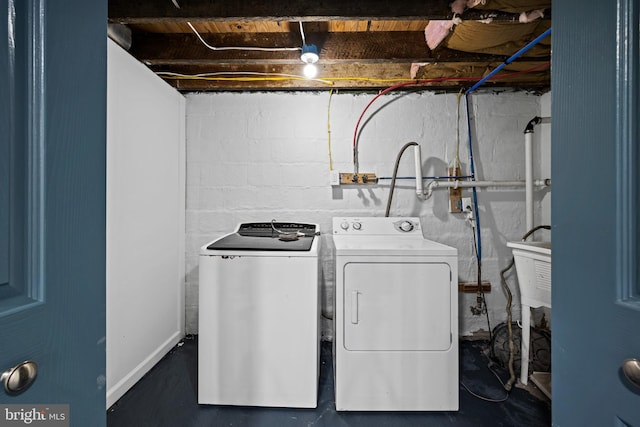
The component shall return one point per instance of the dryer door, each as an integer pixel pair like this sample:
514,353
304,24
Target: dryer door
394,306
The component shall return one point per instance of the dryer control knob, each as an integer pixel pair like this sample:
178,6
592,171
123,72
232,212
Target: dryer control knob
406,226
344,225
357,226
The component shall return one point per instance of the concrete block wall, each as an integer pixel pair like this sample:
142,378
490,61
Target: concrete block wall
260,156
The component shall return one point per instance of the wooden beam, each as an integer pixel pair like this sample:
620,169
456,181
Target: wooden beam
330,72
442,54
131,12
199,86
350,76
398,46
335,48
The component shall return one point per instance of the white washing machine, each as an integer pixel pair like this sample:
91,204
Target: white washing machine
396,317
258,342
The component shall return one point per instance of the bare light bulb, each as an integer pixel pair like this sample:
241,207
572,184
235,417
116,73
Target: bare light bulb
310,57
310,71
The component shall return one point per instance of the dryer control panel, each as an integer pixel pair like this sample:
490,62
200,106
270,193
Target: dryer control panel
377,226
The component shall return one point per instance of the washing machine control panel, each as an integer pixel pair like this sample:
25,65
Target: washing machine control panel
376,226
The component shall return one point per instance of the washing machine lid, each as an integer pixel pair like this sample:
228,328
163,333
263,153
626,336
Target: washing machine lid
390,246
267,236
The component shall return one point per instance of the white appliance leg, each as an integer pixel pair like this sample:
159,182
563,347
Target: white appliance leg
524,344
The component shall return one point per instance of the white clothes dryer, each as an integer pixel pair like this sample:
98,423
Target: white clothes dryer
258,342
396,317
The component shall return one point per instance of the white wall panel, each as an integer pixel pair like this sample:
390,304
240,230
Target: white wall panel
145,220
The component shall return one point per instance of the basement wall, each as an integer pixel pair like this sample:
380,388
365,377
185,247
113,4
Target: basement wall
260,156
145,220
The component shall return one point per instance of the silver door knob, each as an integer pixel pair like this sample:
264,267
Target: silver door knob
20,377
631,369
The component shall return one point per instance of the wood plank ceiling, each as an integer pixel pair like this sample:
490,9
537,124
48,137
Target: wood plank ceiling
362,44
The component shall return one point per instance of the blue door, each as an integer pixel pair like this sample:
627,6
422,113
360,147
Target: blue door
596,226
52,205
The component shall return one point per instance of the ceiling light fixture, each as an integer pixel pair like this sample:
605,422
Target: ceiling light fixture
309,54
310,57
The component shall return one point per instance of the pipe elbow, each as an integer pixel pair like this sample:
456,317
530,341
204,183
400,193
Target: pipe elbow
429,191
532,123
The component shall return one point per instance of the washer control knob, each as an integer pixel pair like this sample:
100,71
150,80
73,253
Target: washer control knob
344,225
357,226
406,226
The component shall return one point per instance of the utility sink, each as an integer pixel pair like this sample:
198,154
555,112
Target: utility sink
533,267
539,247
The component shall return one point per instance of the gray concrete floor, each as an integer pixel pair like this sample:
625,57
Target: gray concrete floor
167,396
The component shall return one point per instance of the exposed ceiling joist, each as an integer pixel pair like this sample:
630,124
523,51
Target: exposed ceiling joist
336,48
362,44
134,12
379,75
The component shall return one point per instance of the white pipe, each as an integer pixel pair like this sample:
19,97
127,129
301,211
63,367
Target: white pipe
528,168
418,162
482,184
528,177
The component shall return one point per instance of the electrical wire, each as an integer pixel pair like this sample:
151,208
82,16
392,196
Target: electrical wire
302,33
418,82
251,48
329,129
477,236
218,76
473,178
329,80
487,399
457,158
355,132
481,299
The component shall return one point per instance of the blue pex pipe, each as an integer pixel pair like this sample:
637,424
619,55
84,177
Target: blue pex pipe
476,212
471,162
509,61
